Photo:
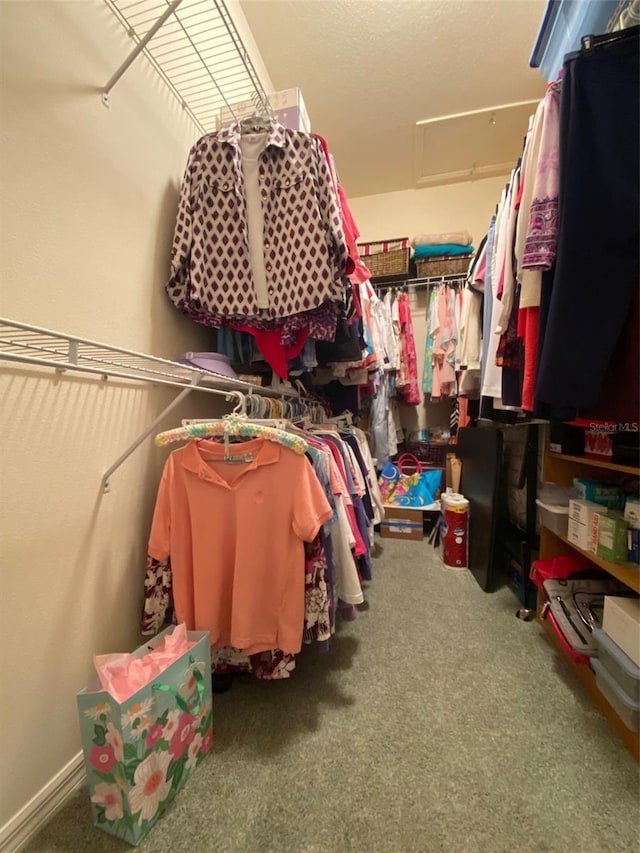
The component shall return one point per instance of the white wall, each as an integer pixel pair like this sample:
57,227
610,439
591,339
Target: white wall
88,198
454,207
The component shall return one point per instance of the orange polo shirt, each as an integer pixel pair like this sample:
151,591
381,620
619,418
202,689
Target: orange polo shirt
235,534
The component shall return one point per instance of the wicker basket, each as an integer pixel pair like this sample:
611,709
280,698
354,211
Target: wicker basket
386,258
433,454
426,267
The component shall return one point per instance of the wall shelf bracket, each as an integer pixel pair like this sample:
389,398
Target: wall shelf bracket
138,50
106,477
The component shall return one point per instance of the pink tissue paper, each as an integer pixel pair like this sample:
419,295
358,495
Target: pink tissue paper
122,675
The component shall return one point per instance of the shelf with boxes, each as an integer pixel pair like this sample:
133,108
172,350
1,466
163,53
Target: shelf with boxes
596,535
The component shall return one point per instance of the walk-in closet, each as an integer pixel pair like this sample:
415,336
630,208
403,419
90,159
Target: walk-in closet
320,486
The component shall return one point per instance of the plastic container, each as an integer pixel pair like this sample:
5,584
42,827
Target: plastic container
552,493
554,517
562,566
575,656
213,361
619,665
622,704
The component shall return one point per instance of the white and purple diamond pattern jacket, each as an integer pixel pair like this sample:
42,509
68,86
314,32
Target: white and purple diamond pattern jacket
304,244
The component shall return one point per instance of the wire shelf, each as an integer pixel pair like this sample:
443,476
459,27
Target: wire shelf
199,54
26,344
22,343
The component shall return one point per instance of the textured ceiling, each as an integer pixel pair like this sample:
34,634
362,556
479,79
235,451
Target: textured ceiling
370,69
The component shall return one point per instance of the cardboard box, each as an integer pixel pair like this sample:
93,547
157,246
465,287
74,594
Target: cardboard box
621,621
582,511
402,523
580,534
632,511
605,494
453,472
597,442
612,538
595,526
288,107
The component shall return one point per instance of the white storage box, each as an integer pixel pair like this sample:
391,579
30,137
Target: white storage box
580,534
619,665
632,512
623,705
555,495
288,107
554,517
621,621
582,511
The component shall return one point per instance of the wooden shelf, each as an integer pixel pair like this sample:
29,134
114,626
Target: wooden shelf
592,462
627,573
587,678
562,468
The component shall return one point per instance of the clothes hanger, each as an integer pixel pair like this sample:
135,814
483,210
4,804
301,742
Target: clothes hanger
235,425
260,121
588,42
231,426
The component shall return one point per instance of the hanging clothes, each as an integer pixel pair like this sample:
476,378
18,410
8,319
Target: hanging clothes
536,234
193,567
407,379
213,223
492,373
242,255
444,334
598,233
469,350
197,523
432,320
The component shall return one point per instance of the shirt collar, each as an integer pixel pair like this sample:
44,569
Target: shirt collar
264,453
233,133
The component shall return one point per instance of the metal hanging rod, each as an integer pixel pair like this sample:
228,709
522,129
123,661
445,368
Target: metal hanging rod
418,283
22,343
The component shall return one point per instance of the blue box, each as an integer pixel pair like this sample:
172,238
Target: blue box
606,494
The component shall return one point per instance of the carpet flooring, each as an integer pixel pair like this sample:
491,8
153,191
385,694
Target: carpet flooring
437,722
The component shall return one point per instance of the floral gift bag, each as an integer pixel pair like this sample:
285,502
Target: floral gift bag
140,752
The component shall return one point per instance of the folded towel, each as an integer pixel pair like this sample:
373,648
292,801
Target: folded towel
460,238
450,249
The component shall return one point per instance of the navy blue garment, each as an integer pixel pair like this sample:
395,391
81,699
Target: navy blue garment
352,441
364,561
597,263
329,575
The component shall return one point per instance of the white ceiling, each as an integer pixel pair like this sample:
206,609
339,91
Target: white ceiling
370,69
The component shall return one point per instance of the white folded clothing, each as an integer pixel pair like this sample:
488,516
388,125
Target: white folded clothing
459,238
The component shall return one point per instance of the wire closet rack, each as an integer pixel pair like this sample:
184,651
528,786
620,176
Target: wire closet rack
195,47
22,343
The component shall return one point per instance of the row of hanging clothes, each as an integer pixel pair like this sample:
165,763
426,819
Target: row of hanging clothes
263,247
388,369
398,381
552,319
387,344
442,354
448,356
261,535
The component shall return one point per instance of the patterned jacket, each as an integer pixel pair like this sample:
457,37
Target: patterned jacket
304,244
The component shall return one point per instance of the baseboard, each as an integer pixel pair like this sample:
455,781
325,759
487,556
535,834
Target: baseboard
19,829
